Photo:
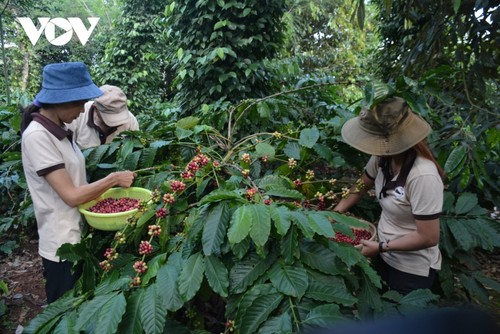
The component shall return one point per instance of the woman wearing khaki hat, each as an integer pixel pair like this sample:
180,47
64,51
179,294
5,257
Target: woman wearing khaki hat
103,119
54,168
408,185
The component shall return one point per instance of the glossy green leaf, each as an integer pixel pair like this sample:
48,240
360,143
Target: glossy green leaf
300,219
89,312
261,226
347,254
460,232
465,203
241,223
246,272
289,246
285,193
318,257
292,150
281,218
220,195
455,158
330,293
132,320
153,312
324,315
320,224
166,282
289,280
217,275
111,315
277,325
215,228
191,276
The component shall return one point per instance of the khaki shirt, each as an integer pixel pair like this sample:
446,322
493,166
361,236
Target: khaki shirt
46,148
421,198
87,134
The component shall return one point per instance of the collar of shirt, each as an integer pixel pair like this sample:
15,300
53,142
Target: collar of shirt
56,130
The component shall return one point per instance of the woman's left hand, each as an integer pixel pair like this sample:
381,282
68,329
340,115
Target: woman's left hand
370,248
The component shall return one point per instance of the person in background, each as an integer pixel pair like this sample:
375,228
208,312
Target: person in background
408,185
103,119
54,168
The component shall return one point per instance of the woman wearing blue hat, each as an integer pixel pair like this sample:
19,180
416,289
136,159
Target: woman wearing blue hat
54,168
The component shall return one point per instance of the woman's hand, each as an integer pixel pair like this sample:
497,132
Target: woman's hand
370,248
124,179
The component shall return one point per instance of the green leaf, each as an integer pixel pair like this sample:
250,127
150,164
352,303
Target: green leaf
369,298
455,158
456,5
215,228
474,289
217,275
89,312
285,193
347,254
187,123
309,137
111,314
289,280
146,216
182,133
255,307
303,223
370,274
132,321
191,276
65,326
241,223
264,149
330,293
420,297
465,203
324,315
320,224
244,273
460,231
348,220
277,325
220,195
167,286
289,246
131,161
318,257
324,152
292,150
261,227
153,313
52,312
281,218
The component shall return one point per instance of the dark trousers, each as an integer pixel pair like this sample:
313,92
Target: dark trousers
402,282
59,278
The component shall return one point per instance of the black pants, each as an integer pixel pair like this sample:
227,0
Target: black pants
59,278
402,282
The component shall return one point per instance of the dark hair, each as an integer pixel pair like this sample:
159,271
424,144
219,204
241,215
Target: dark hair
26,115
423,150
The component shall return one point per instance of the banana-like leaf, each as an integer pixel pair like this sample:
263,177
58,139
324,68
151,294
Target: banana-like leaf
191,276
215,228
153,313
241,223
217,276
111,315
289,280
261,226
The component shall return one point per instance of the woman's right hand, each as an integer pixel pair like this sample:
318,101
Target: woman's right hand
124,179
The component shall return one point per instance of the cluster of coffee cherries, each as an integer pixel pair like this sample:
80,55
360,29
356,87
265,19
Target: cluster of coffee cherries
359,234
115,205
199,161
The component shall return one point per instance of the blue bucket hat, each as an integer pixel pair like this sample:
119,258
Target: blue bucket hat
66,82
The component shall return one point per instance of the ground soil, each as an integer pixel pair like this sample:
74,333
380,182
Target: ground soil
23,272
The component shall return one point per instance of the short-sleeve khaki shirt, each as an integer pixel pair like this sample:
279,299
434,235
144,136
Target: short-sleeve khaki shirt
45,148
420,198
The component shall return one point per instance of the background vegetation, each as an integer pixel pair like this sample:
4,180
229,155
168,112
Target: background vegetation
274,80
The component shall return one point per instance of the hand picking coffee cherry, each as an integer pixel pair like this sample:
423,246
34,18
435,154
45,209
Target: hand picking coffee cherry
115,205
358,236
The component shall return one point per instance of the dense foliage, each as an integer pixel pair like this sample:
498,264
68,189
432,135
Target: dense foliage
241,233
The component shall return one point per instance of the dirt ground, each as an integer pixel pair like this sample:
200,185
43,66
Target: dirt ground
23,272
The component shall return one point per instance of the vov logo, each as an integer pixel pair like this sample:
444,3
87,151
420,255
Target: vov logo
48,25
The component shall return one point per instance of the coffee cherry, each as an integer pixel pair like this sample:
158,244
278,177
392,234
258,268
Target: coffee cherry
359,235
145,247
115,205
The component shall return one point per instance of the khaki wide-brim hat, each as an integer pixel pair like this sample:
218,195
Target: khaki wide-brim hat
112,106
388,129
